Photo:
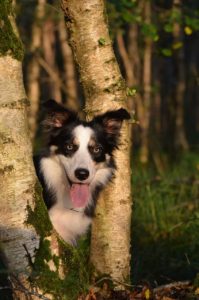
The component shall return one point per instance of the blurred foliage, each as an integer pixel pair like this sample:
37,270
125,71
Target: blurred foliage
124,12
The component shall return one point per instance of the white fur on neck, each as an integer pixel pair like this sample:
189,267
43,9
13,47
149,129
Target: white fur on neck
68,223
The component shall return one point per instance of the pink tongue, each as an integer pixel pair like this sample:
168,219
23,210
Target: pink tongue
79,194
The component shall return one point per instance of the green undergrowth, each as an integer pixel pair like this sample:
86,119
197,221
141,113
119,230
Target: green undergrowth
165,226
72,261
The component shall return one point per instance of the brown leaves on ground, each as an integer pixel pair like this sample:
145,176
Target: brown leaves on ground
173,291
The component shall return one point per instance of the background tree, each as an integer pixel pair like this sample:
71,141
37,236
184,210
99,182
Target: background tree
33,68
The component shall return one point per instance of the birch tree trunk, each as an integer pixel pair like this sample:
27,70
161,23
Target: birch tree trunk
104,89
34,256
17,178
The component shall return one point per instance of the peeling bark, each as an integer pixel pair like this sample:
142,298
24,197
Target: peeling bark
104,89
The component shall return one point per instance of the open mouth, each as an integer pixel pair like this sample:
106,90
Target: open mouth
79,193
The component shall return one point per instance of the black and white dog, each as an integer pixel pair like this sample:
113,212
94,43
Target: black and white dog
76,164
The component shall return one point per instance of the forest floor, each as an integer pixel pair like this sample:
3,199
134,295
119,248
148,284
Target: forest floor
177,290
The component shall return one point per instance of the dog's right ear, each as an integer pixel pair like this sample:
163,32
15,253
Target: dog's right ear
57,115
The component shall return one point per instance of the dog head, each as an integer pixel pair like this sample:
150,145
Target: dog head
85,149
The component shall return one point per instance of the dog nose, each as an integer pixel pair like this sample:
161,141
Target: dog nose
81,174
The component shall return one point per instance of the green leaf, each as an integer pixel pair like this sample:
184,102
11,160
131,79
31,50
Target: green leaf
177,45
150,30
102,41
166,52
131,91
168,27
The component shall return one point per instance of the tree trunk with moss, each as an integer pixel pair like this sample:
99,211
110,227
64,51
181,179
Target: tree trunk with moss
17,240
34,257
104,90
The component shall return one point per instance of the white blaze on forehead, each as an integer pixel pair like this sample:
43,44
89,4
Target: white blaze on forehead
81,158
83,135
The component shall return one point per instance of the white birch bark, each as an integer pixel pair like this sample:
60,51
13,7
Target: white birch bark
104,90
17,177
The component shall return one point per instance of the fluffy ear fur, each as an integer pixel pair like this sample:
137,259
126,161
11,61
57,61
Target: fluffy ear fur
112,120
57,115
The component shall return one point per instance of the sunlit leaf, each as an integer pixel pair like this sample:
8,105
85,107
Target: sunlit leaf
197,291
188,30
168,27
131,91
101,41
147,294
178,45
166,52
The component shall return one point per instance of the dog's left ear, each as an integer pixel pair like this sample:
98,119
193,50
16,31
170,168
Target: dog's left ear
112,120
57,115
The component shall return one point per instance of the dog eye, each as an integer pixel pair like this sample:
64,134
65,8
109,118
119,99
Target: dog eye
97,149
70,147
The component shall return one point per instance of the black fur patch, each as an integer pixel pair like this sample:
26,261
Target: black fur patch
48,194
90,209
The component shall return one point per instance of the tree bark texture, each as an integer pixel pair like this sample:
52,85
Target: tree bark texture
16,170
104,90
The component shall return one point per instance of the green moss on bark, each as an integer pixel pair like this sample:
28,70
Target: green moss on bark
75,260
39,216
10,44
